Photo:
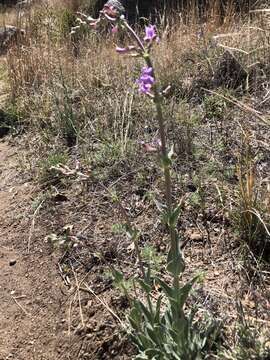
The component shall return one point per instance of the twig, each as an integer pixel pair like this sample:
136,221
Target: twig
233,49
20,306
240,105
33,225
79,296
88,289
69,314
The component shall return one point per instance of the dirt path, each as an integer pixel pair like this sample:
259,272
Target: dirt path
31,305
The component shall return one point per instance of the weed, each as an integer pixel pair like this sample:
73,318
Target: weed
158,333
67,20
252,343
63,240
47,173
184,125
152,258
252,213
9,121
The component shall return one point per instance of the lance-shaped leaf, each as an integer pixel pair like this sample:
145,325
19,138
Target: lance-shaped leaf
175,260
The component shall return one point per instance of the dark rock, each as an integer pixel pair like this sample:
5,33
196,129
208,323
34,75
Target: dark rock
12,262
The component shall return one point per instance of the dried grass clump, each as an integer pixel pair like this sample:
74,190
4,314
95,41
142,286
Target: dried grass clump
188,58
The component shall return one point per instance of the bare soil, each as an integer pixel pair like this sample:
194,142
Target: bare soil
31,306
43,316
60,302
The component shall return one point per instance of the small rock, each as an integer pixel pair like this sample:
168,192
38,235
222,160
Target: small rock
191,187
12,262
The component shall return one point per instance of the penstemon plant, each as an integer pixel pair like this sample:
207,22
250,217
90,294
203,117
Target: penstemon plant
159,328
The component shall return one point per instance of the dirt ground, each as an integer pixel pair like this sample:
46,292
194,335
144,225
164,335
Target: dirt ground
31,313
43,315
37,318
60,303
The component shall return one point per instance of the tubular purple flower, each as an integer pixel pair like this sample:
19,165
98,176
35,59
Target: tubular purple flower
150,33
146,80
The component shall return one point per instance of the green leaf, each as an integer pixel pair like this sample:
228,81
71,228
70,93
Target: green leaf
118,276
146,312
166,161
158,305
169,291
135,318
173,217
144,285
185,290
153,353
153,333
132,233
175,261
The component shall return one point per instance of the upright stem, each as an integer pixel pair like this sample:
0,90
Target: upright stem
135,36
167,174
162,133
165,165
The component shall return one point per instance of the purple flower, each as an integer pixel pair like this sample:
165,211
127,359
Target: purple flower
146,80
150,33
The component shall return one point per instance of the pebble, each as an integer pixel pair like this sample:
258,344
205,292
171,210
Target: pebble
12,262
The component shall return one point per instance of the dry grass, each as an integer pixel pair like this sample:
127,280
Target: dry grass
83,110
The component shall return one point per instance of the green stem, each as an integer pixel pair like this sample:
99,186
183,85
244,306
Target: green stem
164,155
162,133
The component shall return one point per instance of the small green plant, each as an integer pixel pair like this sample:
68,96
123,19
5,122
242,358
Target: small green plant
66,116
47,172
118,229
152,258
121,283
183,127
67,20
252,211
163,330
63,240
214,107
251,343
10,120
